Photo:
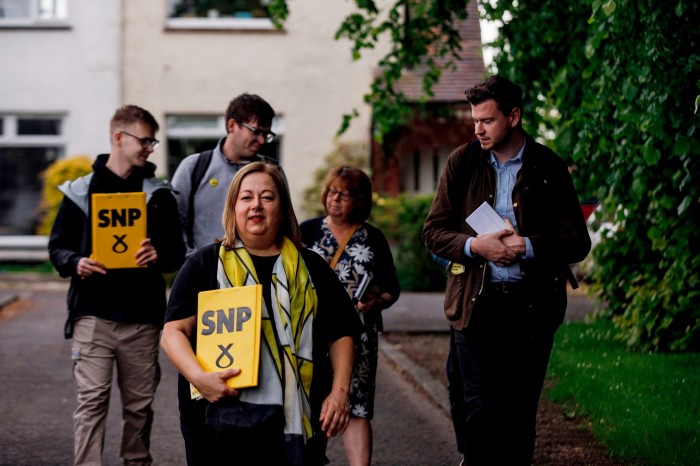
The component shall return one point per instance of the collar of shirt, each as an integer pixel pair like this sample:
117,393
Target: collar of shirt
220,152
517,160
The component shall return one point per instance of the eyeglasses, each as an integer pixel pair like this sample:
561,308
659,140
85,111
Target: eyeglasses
268,136
145,142
344,195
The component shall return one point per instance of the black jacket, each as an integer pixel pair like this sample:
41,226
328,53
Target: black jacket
122,295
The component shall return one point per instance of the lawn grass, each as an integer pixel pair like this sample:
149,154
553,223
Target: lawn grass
645,408
38,267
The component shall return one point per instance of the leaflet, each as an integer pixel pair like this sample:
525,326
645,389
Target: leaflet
485,220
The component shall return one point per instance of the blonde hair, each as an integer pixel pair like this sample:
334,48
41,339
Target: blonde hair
289,226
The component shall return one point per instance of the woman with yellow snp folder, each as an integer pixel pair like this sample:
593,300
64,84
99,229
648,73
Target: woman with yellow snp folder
306,339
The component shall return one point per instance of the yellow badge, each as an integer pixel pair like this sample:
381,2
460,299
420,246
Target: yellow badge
214,182
456,269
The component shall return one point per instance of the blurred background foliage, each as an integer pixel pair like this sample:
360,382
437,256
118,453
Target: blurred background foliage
401,220
354,154
614,88
61,170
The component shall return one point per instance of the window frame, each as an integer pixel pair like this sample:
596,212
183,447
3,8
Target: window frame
218,23
42,146
172,132
10,135
34,19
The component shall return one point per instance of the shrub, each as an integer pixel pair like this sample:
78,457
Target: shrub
61,170
354,154
401,219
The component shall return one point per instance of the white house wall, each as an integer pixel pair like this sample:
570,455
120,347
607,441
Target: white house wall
309,78
72,71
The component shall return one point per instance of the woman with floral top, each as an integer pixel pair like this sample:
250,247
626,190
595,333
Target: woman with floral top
360,255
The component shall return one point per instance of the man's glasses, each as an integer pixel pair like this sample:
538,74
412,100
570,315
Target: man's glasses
268,136
145,142
344,195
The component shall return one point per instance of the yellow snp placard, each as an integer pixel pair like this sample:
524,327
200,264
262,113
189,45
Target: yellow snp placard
118,227
228,333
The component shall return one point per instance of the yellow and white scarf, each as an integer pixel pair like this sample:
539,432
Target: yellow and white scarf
286,362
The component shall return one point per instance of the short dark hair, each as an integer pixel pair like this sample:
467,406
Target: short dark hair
130,114
505,92
247,107
358,183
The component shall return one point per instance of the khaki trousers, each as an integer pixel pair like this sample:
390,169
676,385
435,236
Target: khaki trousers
97,345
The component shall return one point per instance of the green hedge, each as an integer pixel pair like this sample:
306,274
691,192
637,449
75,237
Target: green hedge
401,219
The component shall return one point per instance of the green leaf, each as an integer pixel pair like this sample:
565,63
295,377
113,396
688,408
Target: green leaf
655,234
345,124
687,200
652,155
682,146
667,202
609,7
629,89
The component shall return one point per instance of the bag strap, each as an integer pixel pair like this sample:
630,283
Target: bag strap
200,168
342,245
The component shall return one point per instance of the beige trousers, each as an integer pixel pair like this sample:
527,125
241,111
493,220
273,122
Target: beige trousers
99,345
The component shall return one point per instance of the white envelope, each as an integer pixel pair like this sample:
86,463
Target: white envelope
485,220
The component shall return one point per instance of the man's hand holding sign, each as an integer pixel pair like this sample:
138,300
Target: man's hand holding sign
145,255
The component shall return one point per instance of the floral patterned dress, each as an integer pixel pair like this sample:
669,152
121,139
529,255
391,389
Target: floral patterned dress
359,257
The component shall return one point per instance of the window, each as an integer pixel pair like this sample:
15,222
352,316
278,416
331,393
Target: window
33,12
189,134
219,14
38,126
28,145
420,172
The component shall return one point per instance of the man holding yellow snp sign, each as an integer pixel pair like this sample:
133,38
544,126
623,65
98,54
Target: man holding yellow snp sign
116,232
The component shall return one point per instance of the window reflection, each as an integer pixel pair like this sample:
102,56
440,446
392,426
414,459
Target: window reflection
218,9
33,9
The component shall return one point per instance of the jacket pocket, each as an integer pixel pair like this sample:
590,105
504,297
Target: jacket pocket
453,296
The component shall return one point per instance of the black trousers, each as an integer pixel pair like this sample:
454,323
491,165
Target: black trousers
455,392
501,358
262,444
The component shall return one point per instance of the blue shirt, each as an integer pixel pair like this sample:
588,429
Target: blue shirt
506,174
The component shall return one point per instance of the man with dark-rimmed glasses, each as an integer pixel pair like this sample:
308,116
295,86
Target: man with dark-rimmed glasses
115,314
202,179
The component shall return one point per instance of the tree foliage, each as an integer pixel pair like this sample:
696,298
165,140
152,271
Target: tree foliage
614,88
418,33
617,83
